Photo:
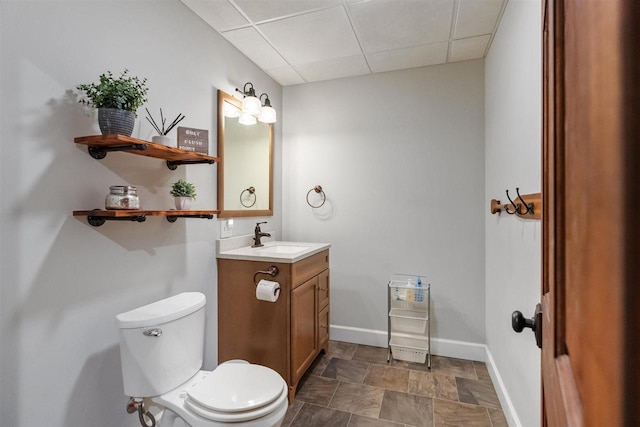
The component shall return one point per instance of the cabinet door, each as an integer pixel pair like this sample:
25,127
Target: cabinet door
323,289
303,328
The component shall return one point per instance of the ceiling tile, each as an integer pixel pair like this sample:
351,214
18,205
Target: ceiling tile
477,17
334,68
260,10
391,24
285,76
417,56
471,48
307,38
220,14
255,47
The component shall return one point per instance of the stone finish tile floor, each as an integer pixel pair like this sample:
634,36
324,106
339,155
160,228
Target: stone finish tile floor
354,386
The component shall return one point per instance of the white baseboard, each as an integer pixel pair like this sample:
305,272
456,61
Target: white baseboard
505,400
441,347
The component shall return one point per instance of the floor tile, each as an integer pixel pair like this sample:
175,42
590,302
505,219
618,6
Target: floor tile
407,408
346,370
317,416
388,378
432,385
360,421
453,414
482,371
343,350
497,418
477,393
371,354
454,367
315,389
358,399
318,365
292,411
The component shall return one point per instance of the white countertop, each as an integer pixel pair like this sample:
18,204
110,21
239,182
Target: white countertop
272,251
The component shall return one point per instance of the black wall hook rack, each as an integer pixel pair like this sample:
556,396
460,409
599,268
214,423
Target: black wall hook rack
525,205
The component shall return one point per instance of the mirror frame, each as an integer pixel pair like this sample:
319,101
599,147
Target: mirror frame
225,213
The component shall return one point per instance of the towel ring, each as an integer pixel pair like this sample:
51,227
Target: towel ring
317,189
251,190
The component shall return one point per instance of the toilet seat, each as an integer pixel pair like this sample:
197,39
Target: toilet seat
237,392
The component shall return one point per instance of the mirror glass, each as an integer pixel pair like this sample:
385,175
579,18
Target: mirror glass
245,171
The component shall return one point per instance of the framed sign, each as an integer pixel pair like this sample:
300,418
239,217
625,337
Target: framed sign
196,140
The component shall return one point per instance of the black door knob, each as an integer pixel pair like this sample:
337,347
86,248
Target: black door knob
519,322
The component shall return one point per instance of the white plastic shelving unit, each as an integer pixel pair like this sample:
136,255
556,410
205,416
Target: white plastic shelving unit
409,322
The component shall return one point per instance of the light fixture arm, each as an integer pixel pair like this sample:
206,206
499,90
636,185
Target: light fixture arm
267,101
250,92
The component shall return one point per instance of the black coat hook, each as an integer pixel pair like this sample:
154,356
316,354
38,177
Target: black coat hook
506,208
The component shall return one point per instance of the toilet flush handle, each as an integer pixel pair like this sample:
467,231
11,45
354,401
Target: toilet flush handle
155,332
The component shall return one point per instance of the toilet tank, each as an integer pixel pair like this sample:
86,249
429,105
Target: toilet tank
161,344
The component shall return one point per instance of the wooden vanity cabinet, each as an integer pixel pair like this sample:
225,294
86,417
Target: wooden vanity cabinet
286,335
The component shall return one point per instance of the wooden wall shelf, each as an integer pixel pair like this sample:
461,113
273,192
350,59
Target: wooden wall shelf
100,145
97,217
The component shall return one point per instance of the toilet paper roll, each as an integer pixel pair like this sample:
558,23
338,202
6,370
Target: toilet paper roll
268,291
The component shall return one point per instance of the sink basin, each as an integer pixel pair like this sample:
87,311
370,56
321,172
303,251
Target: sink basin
239,248
283,249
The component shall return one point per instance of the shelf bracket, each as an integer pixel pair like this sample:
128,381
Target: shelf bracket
98,220
174,218
98,152
173,164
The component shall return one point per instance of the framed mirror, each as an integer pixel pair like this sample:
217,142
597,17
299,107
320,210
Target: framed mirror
245,170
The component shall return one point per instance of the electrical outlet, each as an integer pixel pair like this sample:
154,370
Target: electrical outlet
226,228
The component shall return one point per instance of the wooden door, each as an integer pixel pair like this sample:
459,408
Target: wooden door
591,230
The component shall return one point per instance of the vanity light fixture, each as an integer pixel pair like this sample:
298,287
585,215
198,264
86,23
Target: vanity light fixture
267,112
250,104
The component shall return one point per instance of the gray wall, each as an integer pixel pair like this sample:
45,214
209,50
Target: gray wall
513,152
61,280
400,156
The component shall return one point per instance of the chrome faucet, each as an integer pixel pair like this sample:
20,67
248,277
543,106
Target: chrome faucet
258,235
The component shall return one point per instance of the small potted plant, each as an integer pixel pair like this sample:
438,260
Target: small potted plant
117,100
184,193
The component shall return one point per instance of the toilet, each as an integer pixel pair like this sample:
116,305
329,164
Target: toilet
161,349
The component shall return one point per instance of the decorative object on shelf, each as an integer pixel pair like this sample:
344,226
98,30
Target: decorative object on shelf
250,191
117,100
525,206
195,140
184,193
162,137
122,197
318,189
252,106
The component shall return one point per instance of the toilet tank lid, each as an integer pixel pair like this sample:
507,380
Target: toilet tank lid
162,311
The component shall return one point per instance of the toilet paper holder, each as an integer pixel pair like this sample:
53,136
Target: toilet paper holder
272,271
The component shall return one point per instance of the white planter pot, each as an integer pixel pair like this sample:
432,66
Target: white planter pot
183,203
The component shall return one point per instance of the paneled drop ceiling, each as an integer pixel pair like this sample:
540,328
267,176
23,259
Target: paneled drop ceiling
300,41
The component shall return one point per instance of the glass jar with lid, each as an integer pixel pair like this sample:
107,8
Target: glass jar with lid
122,197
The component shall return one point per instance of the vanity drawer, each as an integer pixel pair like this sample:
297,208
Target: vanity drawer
305,269
323,289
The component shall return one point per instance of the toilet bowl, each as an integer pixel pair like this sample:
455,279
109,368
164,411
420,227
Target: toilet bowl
161,346
244,395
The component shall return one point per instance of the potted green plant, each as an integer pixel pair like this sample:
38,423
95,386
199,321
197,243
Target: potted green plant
184,193
117,100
